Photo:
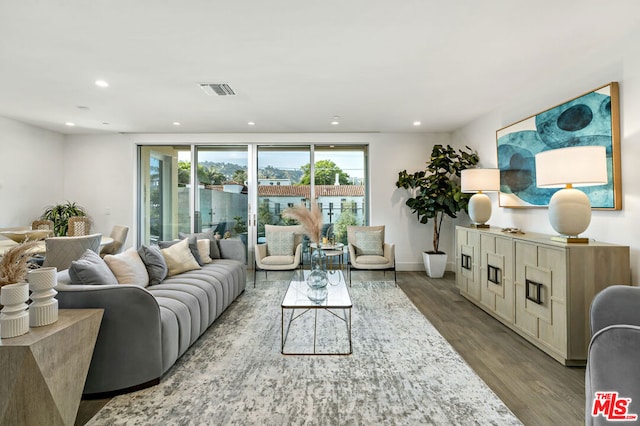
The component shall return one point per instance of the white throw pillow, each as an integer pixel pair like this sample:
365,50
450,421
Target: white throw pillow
179,258
128,268
204,248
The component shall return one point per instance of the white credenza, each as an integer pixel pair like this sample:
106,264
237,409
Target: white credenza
539,288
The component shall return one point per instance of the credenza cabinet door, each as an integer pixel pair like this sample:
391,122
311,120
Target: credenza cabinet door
541,308
496,275
468,252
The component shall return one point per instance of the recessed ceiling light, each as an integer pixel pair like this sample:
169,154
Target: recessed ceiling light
177,123
335,121
83,107
417,123
251,123
102,83
69,124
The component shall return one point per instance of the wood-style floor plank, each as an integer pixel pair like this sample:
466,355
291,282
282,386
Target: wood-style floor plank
537,389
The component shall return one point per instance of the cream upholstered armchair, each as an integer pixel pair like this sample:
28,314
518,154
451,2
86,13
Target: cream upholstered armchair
119,235
61,251
369,251
282,250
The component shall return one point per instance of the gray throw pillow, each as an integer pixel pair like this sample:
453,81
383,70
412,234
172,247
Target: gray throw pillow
154,262
91,269
369,243
280,243
214,249
193,246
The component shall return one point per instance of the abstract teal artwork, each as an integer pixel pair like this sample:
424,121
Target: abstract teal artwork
591,119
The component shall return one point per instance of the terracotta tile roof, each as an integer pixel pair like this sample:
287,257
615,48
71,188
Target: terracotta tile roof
304,191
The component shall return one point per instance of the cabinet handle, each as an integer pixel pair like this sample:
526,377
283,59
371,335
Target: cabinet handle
465,261
534,291
494,275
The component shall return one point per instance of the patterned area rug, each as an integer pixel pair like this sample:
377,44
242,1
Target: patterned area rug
402,371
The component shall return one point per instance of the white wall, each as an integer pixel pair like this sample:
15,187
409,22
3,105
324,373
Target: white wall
619,62
103,177
32,166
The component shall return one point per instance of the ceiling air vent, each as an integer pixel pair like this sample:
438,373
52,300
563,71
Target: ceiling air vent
220,89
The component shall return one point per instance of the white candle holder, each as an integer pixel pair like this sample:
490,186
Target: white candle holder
14,318
44,309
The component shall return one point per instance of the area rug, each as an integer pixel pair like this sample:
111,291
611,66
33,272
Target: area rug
402,371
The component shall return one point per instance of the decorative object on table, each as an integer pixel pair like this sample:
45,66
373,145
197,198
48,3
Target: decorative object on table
438,193
14,264
311,221
59,214
513,231
569,208
479,181
21,236
592,119
44,309
14,318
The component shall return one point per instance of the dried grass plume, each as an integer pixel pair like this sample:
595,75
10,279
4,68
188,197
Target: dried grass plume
311,220
14,264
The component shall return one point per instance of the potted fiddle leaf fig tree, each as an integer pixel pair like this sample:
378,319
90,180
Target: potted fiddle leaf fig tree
436,192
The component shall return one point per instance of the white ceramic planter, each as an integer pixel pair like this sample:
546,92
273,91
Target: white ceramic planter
14,318
44,309
434,264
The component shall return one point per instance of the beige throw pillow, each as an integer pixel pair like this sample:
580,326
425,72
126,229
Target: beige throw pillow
128,268
179,258
204,248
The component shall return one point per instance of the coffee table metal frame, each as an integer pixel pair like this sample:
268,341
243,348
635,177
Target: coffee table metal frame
296,299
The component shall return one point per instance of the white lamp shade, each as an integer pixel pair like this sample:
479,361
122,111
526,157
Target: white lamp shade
480,180
578,166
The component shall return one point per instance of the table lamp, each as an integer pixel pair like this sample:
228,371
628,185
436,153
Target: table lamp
569,208
480,181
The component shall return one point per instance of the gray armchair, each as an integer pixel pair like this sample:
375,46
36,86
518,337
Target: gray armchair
612,362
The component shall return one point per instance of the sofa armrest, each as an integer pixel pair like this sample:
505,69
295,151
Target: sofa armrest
233,249
612,367
617,304
128,350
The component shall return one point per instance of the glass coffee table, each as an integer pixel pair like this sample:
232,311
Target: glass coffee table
311,318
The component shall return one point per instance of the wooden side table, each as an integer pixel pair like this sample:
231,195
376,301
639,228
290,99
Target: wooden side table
42,373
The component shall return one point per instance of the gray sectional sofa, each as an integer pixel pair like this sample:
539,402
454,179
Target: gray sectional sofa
145,330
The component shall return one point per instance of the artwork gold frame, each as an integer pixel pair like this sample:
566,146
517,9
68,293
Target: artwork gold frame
589,119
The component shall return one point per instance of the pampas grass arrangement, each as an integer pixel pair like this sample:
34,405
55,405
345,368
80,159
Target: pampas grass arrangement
310,219
14,264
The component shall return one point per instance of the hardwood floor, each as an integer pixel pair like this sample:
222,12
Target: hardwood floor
537,389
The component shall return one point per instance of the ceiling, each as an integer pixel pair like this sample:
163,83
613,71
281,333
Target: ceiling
379,65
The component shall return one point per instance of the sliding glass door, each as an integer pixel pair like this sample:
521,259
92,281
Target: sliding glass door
222,201
164,193
234,190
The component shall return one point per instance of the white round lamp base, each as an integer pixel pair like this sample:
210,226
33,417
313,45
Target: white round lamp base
570,212
480,208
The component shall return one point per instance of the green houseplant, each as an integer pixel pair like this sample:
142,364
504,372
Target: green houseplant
437,192
59,214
